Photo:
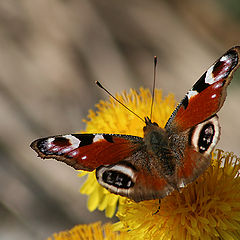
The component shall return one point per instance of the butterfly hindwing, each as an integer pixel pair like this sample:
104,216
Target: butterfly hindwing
196,158
136,177
87,151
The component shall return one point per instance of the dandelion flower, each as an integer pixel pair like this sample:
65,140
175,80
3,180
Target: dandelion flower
208,208
111,117
94,231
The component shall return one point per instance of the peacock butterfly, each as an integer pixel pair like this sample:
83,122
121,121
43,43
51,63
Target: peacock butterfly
165,159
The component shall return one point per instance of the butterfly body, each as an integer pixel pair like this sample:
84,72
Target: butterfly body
165,159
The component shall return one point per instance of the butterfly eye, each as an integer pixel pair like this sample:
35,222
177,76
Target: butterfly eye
205,135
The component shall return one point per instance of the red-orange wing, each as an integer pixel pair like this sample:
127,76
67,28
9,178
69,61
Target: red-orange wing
87,151
194,164
136,177
207,95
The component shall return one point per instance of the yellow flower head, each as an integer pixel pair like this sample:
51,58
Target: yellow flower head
208,208
94,231
113,118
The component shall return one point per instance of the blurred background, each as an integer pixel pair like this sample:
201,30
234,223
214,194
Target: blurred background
51,52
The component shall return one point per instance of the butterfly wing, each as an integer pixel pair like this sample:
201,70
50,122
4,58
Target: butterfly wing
207,95
121,161
193,127
87,151
136,177
193,153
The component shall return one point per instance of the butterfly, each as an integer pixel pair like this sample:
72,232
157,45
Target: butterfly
165,159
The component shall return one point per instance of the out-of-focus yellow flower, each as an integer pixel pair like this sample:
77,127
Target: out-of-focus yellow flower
99,197
111,117
208,208
94,231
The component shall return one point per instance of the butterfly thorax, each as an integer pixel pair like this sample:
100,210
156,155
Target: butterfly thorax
157,146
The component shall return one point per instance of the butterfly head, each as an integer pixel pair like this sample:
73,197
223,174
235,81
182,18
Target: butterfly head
149,122
150,127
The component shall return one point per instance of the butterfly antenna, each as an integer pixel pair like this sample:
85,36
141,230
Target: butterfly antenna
101,86
154,83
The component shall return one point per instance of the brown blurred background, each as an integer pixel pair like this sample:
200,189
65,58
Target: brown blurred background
51,52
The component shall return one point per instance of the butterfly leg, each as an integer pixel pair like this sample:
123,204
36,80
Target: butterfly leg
159,206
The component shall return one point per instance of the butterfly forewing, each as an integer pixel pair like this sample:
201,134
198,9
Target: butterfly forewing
87,151
207,95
